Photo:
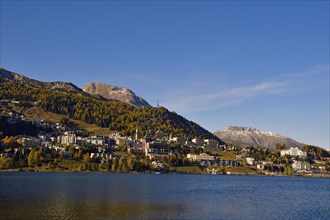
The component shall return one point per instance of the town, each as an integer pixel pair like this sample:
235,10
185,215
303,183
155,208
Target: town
63,146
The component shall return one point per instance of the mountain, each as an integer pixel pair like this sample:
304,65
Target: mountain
246,136
115,93
78,105
6,76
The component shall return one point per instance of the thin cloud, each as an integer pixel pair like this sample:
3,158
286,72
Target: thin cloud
317,69
234,96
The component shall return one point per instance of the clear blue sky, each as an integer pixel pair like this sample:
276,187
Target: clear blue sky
218,63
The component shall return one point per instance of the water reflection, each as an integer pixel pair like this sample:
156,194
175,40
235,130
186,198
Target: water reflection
113,196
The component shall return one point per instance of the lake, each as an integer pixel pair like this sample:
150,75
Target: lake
165,196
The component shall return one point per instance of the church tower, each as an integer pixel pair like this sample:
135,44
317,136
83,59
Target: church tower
136,133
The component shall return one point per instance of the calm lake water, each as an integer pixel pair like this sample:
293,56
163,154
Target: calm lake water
147,196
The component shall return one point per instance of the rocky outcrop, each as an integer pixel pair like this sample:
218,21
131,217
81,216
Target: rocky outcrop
115,93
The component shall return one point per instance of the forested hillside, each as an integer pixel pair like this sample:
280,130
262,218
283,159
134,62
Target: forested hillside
110,114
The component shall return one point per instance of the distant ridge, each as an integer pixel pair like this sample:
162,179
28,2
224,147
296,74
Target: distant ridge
6,76
247,136
115,93
98,90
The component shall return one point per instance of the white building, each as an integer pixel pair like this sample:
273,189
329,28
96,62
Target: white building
67,138
101,155
96,140
211,143
299,165
200,157
250,161
294,151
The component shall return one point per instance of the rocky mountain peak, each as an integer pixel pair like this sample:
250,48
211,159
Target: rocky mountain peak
247,136
115,93
237,128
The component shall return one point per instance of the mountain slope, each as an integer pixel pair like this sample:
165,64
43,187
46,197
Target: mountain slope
115,93
6,76
113,115
246,136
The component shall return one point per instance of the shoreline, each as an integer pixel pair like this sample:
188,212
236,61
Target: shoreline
324,176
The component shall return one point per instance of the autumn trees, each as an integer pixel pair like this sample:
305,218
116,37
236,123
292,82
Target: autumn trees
109,114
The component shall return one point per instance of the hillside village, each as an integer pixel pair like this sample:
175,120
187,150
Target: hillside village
63,146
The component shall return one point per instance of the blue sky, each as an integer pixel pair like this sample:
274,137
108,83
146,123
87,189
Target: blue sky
218,63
